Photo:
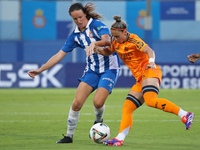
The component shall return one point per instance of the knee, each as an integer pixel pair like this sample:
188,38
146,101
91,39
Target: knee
98,103
76,106
150,94
149,101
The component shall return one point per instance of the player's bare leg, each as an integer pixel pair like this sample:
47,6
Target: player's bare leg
98,101
82,93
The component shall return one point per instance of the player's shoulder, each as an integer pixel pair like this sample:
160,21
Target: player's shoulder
96,21
134,36
72,35
98,24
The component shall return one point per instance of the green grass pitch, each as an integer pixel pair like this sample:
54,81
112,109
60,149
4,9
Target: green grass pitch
34,119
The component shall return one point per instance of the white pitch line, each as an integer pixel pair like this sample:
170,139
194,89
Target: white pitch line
82,114
87,120
69,105
30,113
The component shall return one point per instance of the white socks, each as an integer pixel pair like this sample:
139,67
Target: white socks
74,116
99,113
121,136
182,113
72,122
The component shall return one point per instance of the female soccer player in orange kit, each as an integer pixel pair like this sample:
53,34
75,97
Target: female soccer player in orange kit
140,58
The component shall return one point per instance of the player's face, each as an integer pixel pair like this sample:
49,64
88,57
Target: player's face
80,19
119,36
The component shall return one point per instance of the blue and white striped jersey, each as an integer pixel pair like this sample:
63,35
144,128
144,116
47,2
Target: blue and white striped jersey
93,32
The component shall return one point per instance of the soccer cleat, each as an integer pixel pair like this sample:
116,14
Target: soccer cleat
113,142
98,122
188,120
95,123
66,139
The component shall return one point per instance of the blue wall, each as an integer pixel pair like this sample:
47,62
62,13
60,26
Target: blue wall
175,51
35,51
41,51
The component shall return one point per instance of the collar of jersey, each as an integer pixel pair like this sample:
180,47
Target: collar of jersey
77,30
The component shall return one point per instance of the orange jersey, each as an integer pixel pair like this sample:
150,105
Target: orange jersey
131,54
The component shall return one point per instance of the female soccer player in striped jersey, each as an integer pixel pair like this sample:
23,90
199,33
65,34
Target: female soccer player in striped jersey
101,72
140,58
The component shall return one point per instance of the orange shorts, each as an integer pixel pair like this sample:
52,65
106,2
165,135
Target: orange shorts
155,73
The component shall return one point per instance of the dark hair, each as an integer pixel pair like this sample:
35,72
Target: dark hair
118,24
88,10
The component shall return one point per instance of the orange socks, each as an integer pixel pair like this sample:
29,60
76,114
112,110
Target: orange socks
151,100
131,103
127,115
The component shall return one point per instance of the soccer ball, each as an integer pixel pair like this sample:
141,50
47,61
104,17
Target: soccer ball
99,132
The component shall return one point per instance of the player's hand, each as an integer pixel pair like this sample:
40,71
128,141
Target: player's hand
151,65
33,73
97,50
90,49
193,57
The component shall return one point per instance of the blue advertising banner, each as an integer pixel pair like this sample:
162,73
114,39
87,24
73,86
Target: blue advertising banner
14,75
39,20
183,10
180,76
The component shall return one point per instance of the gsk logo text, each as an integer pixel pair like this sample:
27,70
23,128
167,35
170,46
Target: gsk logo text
15,76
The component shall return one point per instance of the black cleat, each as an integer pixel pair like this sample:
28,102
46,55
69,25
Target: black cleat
98,122
95,123
66,139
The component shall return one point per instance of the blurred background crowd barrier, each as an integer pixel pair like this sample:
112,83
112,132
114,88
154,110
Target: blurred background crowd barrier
31,31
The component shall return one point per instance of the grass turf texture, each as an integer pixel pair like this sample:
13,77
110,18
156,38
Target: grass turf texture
36,118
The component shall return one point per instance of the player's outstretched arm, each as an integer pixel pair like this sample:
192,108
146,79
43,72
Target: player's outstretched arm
50,63
193,57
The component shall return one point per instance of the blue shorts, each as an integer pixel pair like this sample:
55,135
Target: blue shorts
106,80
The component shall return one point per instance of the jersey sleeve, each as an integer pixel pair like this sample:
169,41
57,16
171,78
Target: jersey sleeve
101,28
70,44
140,44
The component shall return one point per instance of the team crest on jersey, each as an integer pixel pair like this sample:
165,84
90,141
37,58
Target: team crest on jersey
139,44
90,34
